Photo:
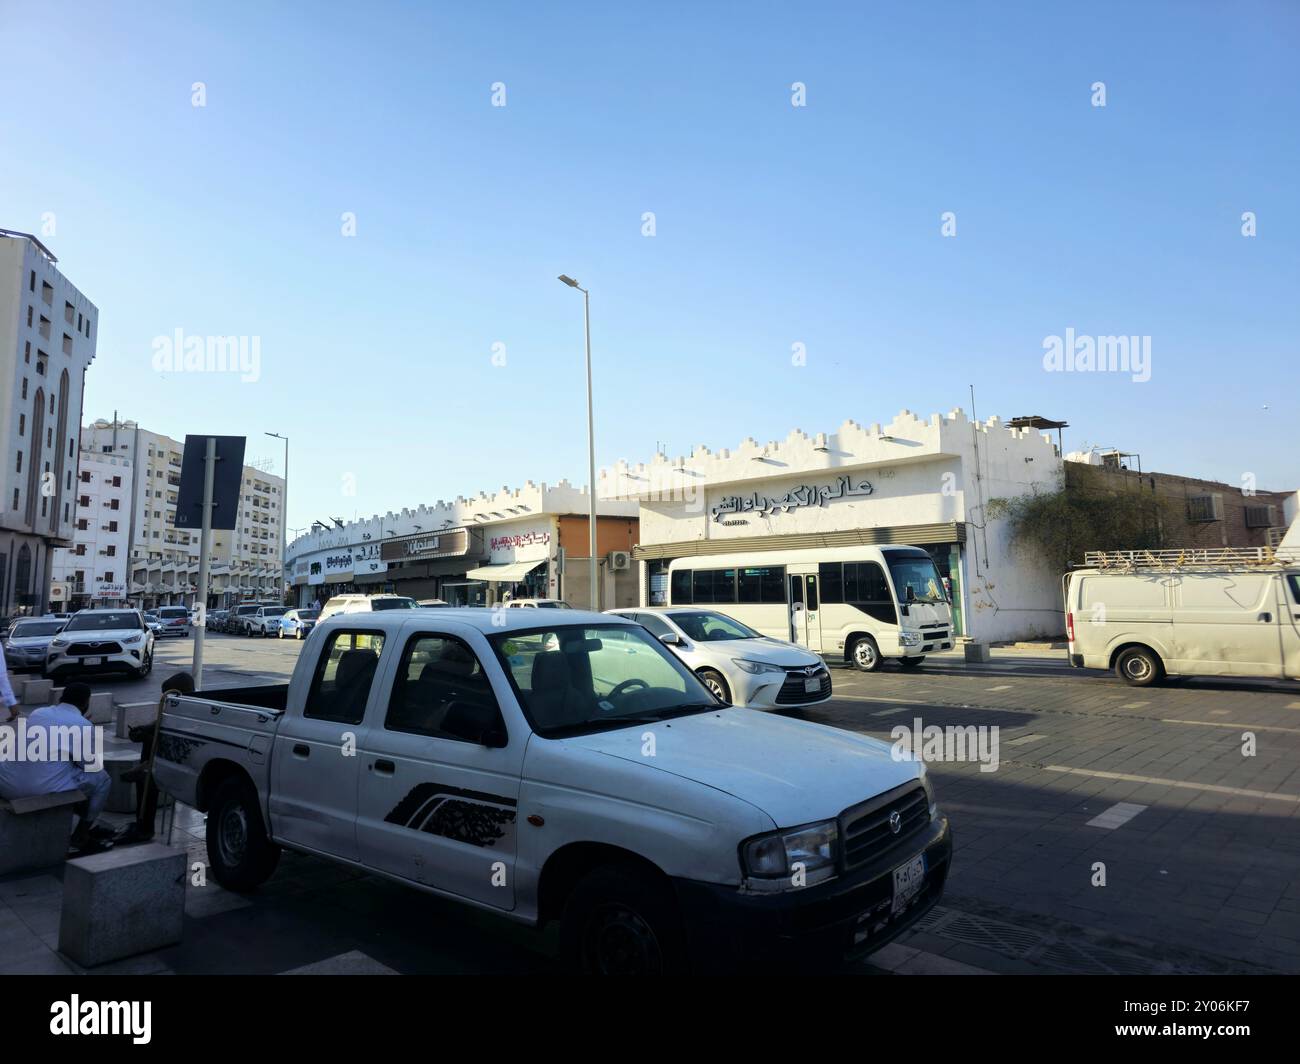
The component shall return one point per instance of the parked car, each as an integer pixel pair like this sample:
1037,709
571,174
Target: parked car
364,604
432,604
295,624
538,604
237,622
1166,613
735,662
27,642
102,640
265,621
155,625
217,620
494,771
175,620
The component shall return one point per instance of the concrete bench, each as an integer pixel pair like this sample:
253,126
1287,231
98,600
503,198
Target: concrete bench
128,900
36,692
121,794
35,832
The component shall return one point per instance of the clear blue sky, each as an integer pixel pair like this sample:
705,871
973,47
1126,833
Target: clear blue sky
775,225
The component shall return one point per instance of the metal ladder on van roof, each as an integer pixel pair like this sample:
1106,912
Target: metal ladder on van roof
1182,559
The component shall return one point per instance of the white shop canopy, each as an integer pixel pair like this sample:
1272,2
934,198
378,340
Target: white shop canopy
506,572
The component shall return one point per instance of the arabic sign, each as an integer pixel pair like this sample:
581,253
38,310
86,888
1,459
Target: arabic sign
365,559
794,499
451,543
520,539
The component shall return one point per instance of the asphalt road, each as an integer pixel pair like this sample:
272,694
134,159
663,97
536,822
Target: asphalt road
1198,841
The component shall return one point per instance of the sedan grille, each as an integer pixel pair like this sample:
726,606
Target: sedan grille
794,692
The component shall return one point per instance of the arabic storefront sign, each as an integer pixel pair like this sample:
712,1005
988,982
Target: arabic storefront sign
366,559
520,539
448,544
794,499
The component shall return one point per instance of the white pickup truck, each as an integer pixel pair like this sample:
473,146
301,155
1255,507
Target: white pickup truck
563,765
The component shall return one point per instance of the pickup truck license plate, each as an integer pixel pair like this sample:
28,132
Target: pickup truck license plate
908,881
812,685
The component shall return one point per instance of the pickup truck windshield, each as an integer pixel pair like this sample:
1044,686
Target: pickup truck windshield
573,679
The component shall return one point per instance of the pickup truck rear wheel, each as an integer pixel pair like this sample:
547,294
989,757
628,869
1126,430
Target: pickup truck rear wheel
241,855
619,922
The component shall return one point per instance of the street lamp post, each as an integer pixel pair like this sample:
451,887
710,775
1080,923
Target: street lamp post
591,445
284,519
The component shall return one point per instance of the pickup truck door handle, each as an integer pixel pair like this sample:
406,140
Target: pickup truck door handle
1267,618
384,768
301,750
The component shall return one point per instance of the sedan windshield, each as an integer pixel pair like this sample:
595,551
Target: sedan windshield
102,622
708,627
28,629
573,679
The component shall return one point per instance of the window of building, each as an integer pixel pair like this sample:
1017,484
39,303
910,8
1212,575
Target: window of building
22,424
15,498
20,462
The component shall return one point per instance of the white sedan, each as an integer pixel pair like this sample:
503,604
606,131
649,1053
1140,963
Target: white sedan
740,666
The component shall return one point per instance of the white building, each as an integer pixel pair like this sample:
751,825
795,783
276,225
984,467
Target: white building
531,542
164,560
92,572
914,481
48,331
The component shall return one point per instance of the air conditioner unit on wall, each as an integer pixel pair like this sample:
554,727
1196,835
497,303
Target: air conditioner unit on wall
619,559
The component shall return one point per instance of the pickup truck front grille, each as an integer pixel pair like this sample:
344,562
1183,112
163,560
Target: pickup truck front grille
867,831
93,650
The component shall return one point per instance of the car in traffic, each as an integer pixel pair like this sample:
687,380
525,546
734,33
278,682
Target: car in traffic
739,665
155,625
538,604
101,640
296,624
27,642
175,620
365,604
264,621
501,761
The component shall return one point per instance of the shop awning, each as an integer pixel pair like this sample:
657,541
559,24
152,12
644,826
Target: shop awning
509,572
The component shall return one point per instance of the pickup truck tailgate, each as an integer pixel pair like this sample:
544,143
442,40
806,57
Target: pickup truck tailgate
195,731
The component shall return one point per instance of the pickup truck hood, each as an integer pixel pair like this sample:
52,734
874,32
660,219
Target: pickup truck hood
795,771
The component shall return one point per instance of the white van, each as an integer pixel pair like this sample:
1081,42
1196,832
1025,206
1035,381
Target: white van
856,604
364,604
1152,614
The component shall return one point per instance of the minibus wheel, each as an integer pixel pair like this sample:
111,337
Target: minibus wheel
864,654
1138,667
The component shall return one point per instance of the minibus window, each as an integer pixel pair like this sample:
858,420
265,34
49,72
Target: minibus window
681,587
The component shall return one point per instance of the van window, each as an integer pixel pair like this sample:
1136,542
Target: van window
714,586
341,686
763,584
442,691
1294,580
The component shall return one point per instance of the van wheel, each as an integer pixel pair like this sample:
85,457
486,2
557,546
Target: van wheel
1138,667
241,855
618,922
911,663
864,654
714,681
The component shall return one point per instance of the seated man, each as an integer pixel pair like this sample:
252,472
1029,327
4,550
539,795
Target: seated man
57,761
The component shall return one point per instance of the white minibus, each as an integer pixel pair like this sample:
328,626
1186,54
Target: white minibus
859,604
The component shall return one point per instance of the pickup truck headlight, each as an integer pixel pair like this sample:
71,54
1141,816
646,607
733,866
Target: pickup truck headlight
773,857
909,639
755,667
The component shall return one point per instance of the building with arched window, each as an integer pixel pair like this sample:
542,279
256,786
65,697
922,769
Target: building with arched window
48,332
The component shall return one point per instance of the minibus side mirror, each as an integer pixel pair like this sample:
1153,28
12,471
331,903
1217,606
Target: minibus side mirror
910,594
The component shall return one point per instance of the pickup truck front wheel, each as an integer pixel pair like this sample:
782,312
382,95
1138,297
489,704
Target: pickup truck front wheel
241,855
619,922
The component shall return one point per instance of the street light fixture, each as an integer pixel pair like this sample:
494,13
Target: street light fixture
591,444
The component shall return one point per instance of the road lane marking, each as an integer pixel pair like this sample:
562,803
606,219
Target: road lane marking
1239,792
1233,724
1116,816
891,712
1293,705
1134,705
1024,739
1001,687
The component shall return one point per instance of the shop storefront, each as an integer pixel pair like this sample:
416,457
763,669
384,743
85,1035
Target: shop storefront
923,483
432,566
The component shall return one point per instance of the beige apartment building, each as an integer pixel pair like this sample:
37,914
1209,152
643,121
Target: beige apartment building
244,563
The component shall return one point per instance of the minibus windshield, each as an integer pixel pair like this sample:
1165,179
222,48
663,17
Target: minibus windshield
918,573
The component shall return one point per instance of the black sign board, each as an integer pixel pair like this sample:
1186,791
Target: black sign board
226,485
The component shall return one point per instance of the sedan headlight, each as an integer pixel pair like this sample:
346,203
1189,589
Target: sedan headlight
909,639
755,667
785,860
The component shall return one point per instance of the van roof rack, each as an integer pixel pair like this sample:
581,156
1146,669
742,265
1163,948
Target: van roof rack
1183,558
